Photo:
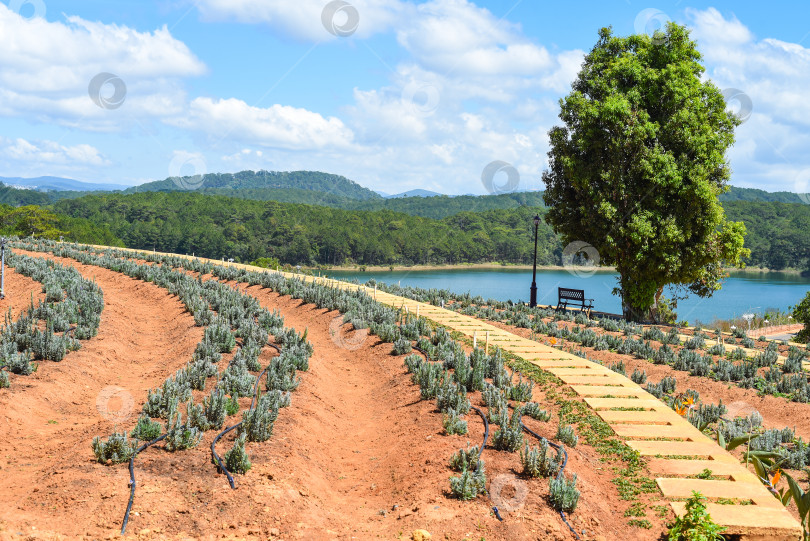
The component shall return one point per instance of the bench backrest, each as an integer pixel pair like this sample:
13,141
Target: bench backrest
573,294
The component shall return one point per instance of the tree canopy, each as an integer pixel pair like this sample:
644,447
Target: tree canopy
637,167
216,226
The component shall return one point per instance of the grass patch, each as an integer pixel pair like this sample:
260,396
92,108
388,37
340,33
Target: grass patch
629,477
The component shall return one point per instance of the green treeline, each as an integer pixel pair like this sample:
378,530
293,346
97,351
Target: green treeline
436,207
778,234
214,226
34,221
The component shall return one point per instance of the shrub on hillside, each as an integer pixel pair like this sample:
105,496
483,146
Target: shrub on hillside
802,314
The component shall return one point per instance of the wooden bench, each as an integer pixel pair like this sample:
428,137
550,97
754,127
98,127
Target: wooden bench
566,296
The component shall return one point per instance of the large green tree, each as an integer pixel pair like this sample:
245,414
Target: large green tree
638,166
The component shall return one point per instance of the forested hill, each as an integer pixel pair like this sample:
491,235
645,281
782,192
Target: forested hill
437,207
216,226
16,197
251,180
752,194
322,189
442,206
778,233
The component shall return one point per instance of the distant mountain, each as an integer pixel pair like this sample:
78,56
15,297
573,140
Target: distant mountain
225,183
414,193
59,184
753,194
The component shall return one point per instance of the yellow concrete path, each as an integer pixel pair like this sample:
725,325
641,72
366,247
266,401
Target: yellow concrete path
674,447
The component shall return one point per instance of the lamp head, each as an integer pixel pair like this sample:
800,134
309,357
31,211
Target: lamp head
536,220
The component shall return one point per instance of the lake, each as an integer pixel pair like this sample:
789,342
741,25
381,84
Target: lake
742,292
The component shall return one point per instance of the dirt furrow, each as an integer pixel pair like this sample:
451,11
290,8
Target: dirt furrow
48,419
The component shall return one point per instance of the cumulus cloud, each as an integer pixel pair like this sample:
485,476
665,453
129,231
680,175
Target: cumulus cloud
51,153
302,19
46,68
278,126
457,36
415,131
770,152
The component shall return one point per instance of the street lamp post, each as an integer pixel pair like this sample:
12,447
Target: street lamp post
3,268
533,289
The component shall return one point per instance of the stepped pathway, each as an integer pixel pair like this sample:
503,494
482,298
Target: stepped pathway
674,448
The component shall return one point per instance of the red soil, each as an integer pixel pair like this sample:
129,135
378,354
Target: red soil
356,456
49,481
20,290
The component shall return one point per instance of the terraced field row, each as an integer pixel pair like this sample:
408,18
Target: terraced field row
677,449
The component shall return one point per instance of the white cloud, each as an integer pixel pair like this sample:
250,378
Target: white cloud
46,68
457,36
770,151
50,153
303,18
278,126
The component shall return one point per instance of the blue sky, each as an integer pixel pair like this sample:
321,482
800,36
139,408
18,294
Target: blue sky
416,95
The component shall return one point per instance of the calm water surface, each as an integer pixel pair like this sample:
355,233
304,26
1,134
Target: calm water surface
741,293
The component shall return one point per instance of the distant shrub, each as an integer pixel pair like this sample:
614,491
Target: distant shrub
116,449
465,459
237,459
509,435
538,462
532,409
453,424
565,434
146,429
563,493
469,484
402,346
639,376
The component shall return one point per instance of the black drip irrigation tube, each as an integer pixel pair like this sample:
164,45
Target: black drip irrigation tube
530,431
562,468
486,429
217,459
143,447
132,483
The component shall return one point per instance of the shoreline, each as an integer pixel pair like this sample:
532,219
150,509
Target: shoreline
522,267
458,266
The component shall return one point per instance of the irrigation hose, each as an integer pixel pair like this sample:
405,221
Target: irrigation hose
486,429
562,468
132,483
217,459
